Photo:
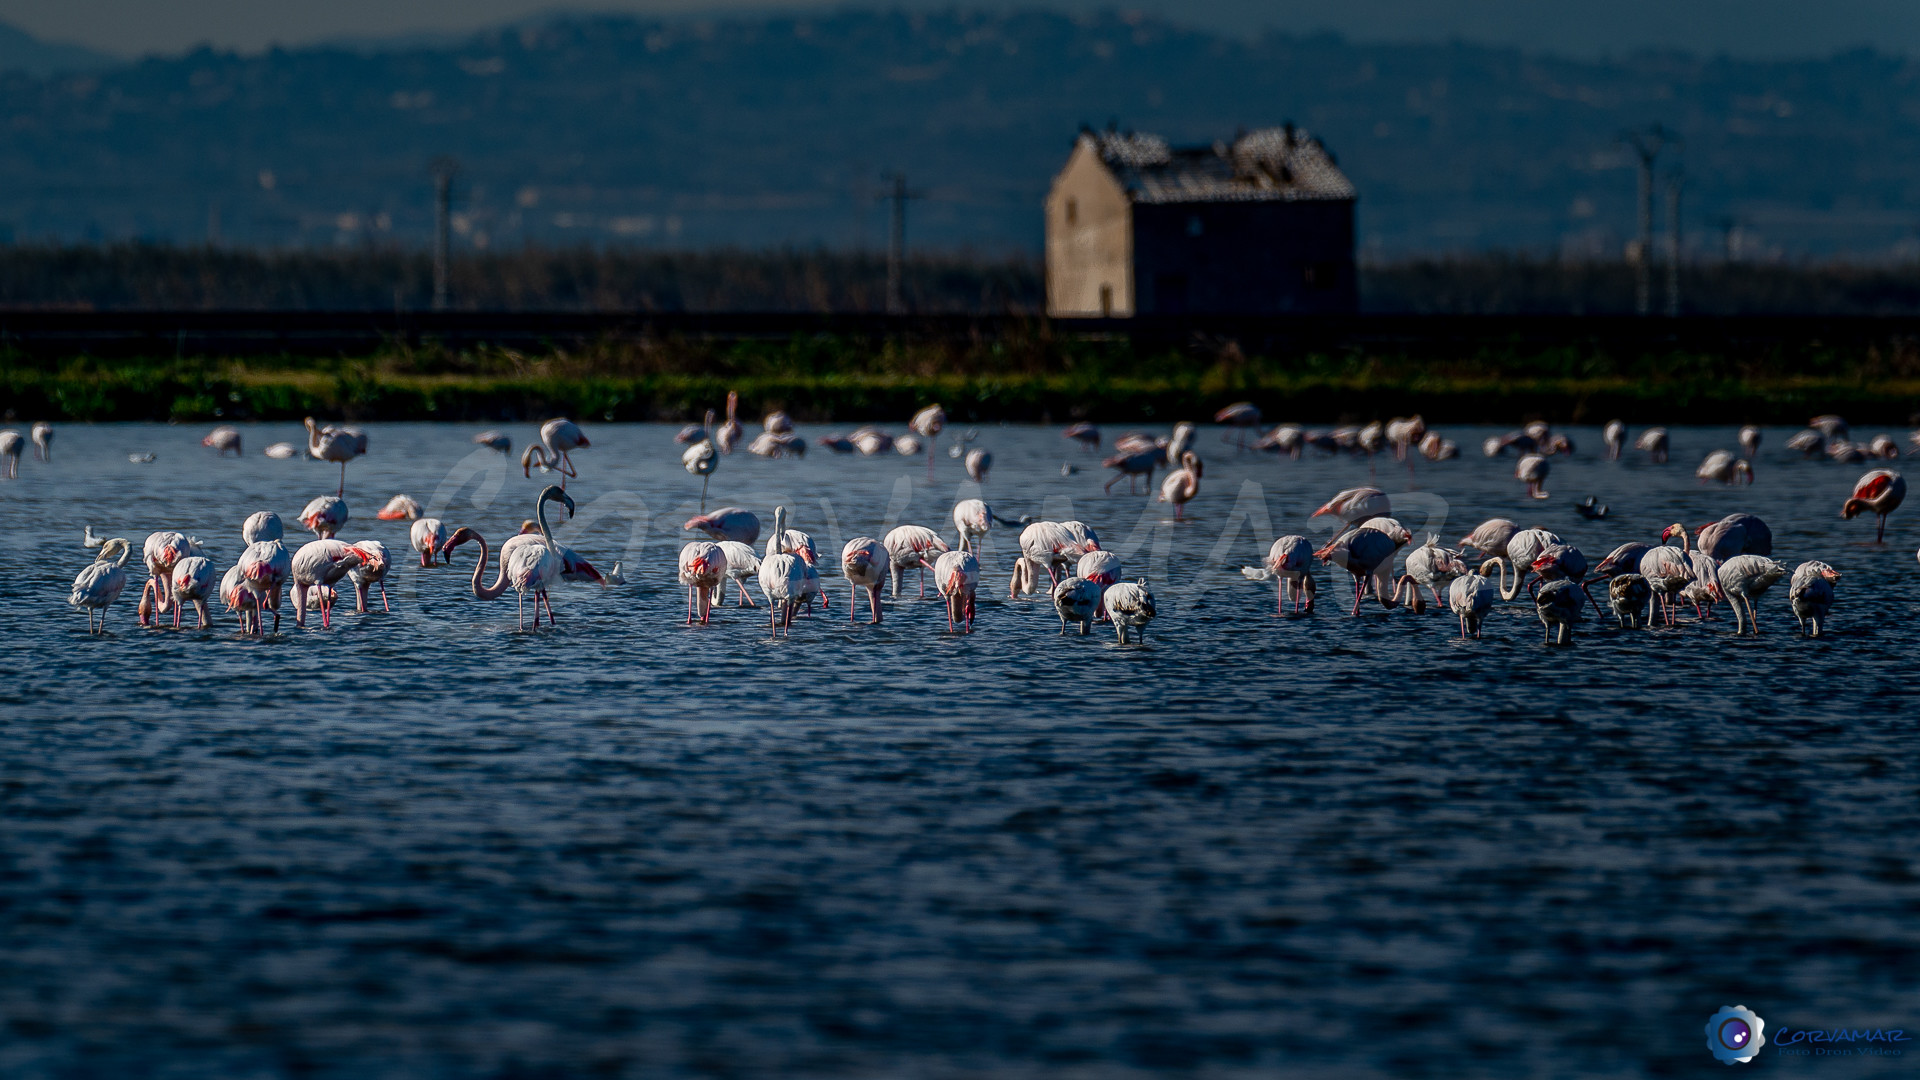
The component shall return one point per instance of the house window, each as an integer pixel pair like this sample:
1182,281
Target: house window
1106,301
1073,212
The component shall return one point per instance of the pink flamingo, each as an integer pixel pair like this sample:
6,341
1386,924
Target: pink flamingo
703,568
957,575
1880,491
322,563
161,551
101,582
559,438
333,444
908,546
864,562
728,523
1182,485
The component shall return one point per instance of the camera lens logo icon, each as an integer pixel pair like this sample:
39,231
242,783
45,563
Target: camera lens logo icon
1736,1033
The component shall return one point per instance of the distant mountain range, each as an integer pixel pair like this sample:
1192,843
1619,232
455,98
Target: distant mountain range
775,131
22,52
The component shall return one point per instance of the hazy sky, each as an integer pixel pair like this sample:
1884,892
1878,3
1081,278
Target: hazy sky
1579,27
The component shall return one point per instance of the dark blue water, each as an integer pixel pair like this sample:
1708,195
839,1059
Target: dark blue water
423,844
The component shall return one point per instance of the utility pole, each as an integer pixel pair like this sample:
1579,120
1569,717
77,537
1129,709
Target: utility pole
443,171
1647,145
897,244
1674,181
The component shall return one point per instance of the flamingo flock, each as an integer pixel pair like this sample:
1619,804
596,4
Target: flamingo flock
1645,583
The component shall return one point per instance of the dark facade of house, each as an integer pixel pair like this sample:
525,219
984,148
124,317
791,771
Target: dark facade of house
1259,226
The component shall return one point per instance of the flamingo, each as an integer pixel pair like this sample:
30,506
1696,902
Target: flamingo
100,583
332,444
319,563
559,438
1357,504
1811,593
1564,562
1883,446
1182,484
1290,561
703,569
530,567
1833,427
974,518
977,464
325,516
1809,443
371,572
222,439
495,440
728,523
572,566
1721,465
1668,571
1615,436
1654,441
281,451
957,575
1131,464
908,546
1533,470
1491,536
264,569
240,599
428,536
1558,606
400,508
1435,448
1880,491
1077,600
1629,596
1083,433
783,577
1433,566
728,434
1365,553
1053,544
694,433
191,583
1241,415
161,552
1129,604
1371,440
701,459
1519,442
1470,597
1750,440
43,441
1742,579
1735,534
777,423
870,441
1102,568
742,563
1704,590
1522,548
1404,433
837,443
907,445
1624,559
864,562
12,444
264,525
773,445
1285,439
930,422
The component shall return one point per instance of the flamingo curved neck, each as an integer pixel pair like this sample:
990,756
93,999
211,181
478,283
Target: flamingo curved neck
499,586
1506,592
546,533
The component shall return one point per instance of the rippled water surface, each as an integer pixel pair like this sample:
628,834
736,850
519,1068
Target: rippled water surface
423,844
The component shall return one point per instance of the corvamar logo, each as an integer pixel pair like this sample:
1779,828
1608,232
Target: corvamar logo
1736,1033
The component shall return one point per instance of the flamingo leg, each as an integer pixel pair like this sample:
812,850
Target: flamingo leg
384,604
689,621
873,602
1880,535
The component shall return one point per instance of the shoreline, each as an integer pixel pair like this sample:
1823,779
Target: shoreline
168,393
